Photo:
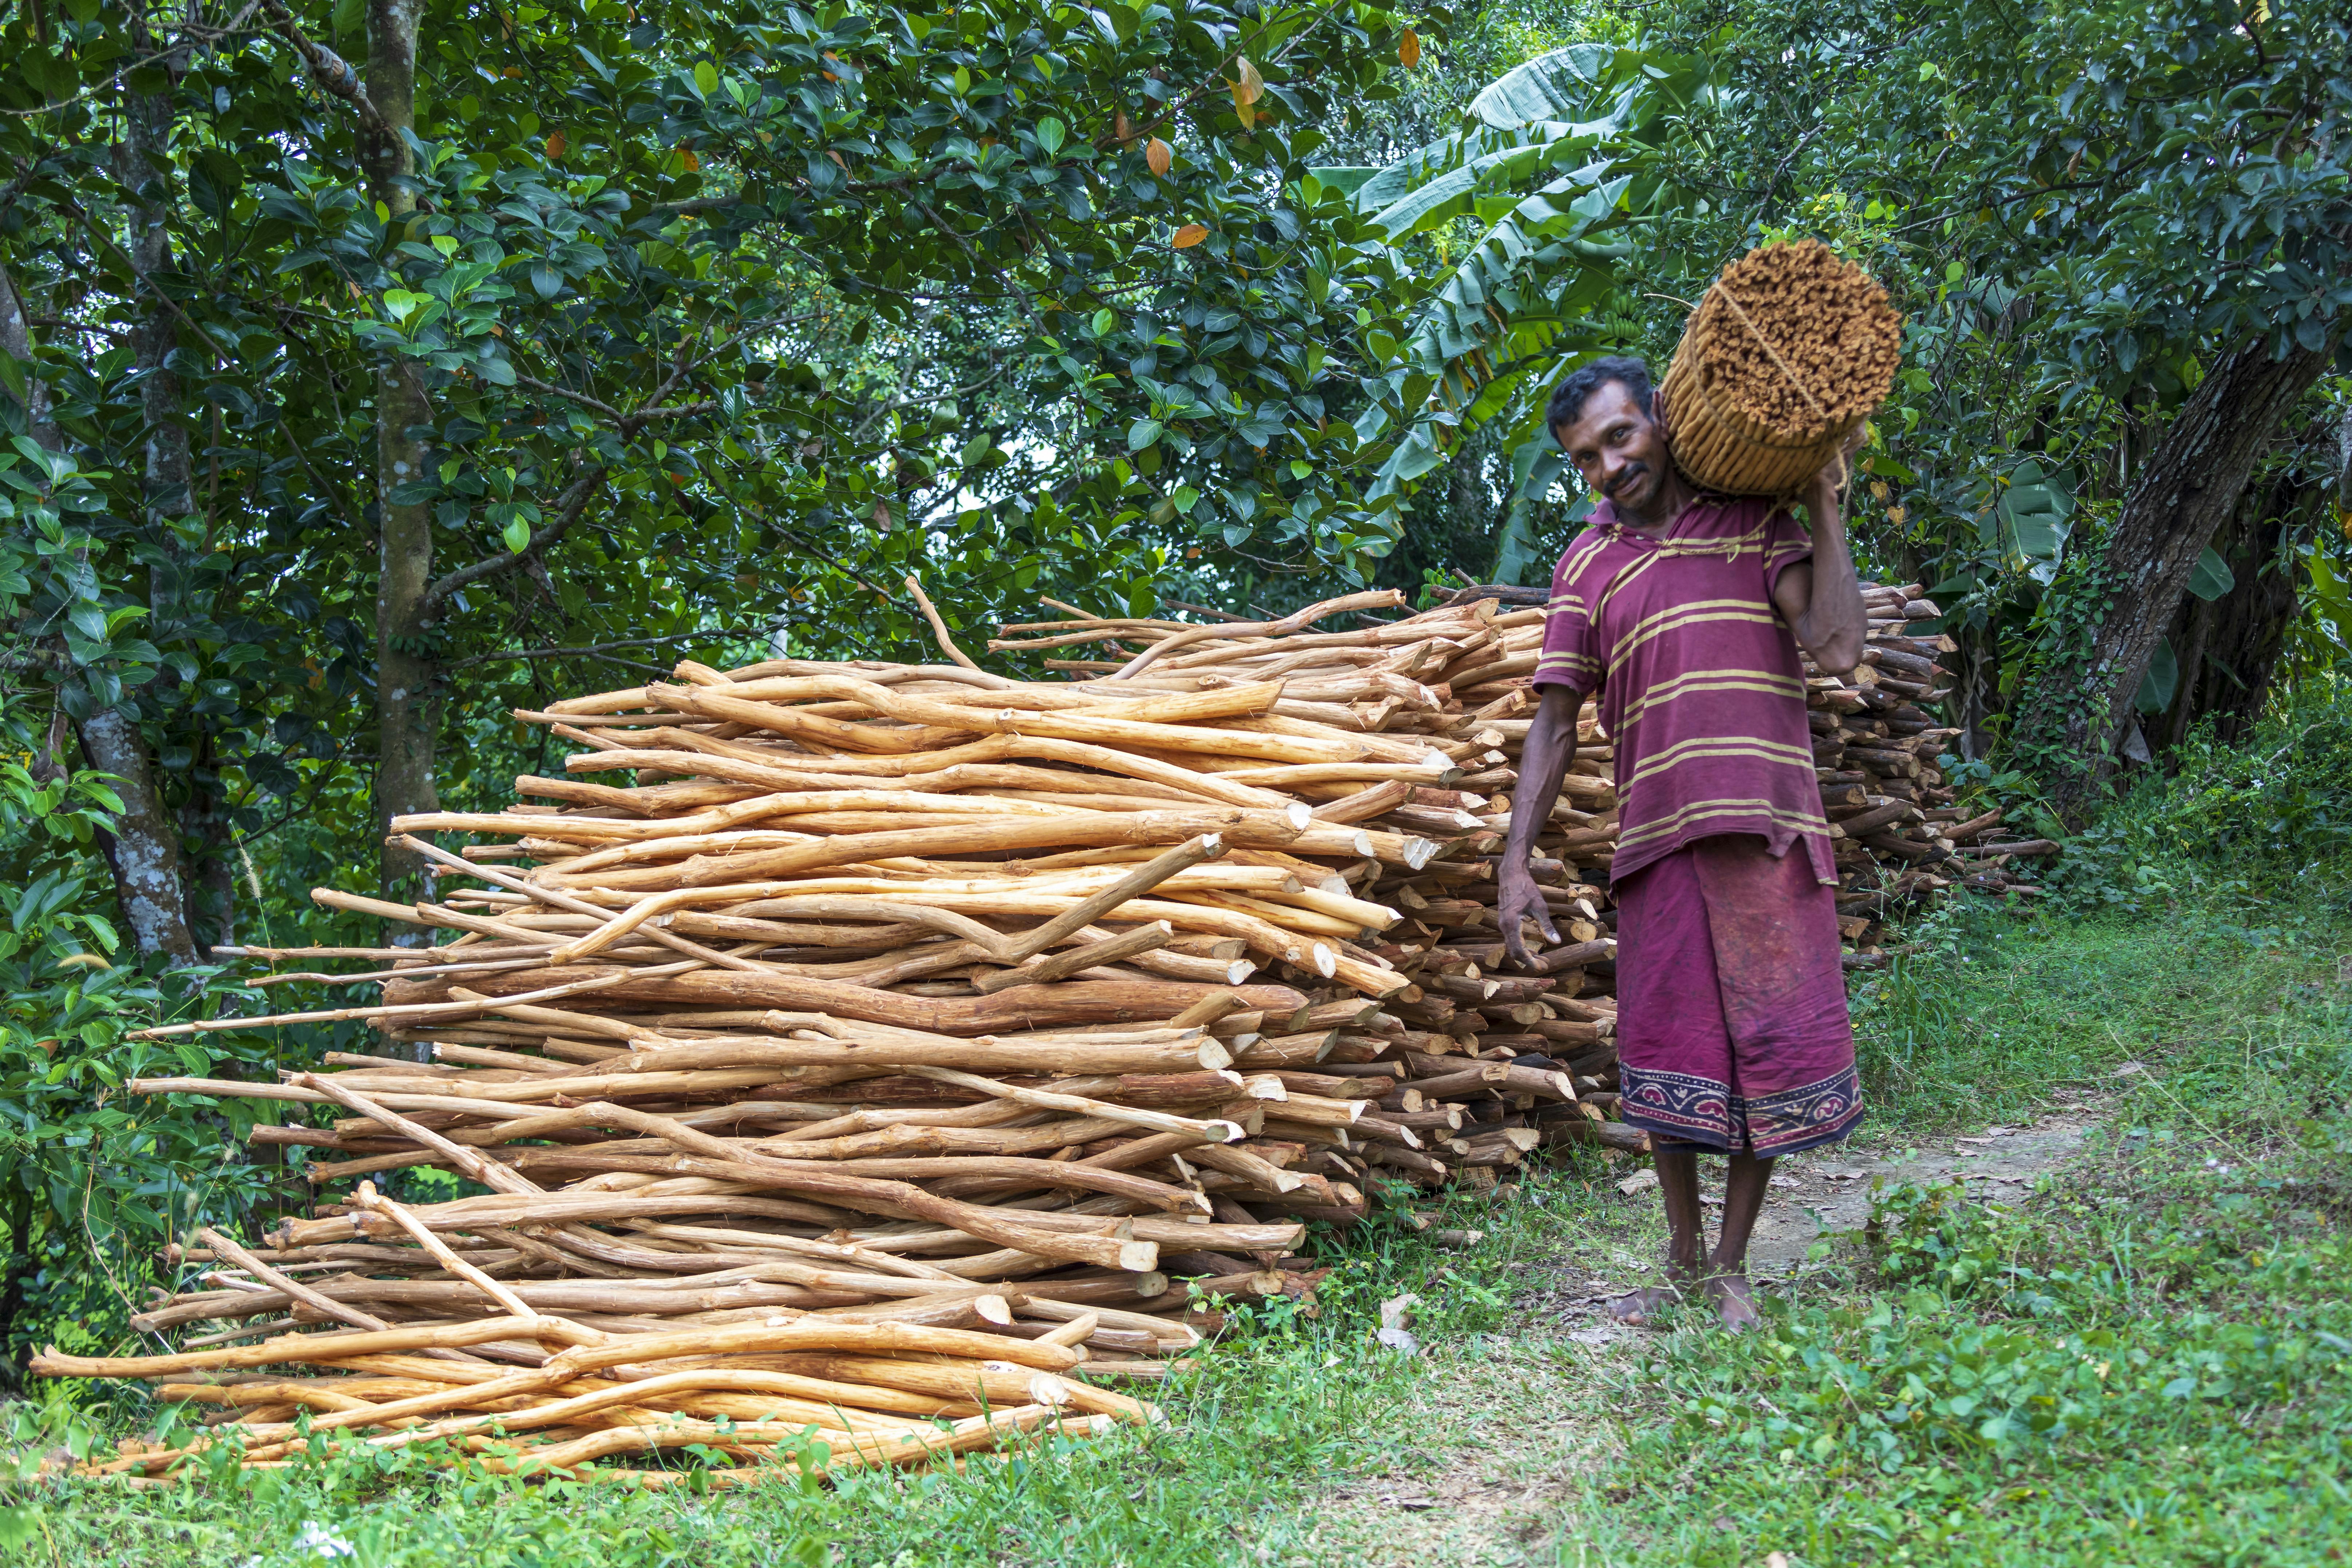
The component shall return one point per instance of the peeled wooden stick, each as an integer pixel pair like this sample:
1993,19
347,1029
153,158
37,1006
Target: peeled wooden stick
890,1196
490,1172
369,1198
1365,803
288,1349
1074,1333
341,1311
1157,1121
1379,598
1141,880
530,889
416,1011
1143,938
939,627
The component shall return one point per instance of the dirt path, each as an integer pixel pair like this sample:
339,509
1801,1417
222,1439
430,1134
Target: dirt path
1501,1425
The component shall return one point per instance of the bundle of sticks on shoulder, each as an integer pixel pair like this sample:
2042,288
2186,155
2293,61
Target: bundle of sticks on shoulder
870,1063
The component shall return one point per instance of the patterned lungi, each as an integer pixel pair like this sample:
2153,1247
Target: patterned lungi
1732,1029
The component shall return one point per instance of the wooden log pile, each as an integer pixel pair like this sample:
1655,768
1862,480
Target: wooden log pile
883,1056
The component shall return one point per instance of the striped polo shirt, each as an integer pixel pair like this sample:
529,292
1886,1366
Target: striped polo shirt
1700,686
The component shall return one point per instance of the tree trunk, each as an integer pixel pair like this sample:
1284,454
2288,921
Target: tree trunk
2231,645
2072,714
1979,668
408,672
204,826
145,850
143,844
16,341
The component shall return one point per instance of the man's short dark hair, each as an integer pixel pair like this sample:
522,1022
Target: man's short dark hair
1567,399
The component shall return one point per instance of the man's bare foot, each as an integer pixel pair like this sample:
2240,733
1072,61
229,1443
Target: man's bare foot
1640,1309
1735,1299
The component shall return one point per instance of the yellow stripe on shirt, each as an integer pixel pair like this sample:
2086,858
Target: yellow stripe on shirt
1752,611
1715,810
1700,746
1712,680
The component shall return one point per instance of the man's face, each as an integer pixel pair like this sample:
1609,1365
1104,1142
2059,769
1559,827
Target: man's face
1617,449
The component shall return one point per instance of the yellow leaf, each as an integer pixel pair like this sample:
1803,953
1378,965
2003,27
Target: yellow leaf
1158,157
1191,235
1409,49
1249,86
556,145
1122,129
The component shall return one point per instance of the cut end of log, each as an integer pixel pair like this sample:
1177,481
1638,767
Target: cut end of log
1213,1053
1139,1256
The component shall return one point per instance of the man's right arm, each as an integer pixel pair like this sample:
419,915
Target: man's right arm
1543,763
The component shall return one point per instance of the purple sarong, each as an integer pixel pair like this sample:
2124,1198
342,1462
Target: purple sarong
1732,1030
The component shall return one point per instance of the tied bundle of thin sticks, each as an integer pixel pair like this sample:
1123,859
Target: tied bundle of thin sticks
820,1010
1784,356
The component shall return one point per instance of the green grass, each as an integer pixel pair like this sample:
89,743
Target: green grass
2148,1361
1932,1398
1987,1013
2153,1367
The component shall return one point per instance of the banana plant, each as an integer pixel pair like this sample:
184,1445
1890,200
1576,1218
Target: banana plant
1555,162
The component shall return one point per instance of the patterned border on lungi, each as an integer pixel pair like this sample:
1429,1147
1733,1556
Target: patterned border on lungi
1682,1108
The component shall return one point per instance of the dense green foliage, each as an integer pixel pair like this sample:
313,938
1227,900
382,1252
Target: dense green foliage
83,1172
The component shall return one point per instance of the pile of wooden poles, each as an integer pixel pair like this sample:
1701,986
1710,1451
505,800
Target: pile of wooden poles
878,1055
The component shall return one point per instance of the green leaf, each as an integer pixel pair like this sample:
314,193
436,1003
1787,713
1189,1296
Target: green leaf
2211,577
1050,135
1347,179
2163,678
20,1523
517,534
1554,85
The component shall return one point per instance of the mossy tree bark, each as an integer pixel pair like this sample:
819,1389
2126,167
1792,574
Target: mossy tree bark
2072,712
409,692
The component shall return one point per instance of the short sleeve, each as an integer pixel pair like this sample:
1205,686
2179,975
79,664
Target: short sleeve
1572,655
1786,542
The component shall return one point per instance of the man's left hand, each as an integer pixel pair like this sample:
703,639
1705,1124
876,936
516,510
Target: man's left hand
1829,479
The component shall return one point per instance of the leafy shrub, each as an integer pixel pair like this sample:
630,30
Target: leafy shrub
1935,1236
90,1182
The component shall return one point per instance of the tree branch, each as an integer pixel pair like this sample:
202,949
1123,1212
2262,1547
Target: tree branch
329,72
573,504
593,649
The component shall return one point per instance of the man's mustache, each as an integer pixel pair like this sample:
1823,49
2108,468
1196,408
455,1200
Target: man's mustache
1625,476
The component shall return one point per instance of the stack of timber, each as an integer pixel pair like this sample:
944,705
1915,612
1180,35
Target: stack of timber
881,1037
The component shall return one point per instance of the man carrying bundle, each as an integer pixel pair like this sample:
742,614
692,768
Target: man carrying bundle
1683,611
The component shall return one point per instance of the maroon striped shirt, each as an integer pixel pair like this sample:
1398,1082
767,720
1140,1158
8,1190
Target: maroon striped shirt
1700,687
